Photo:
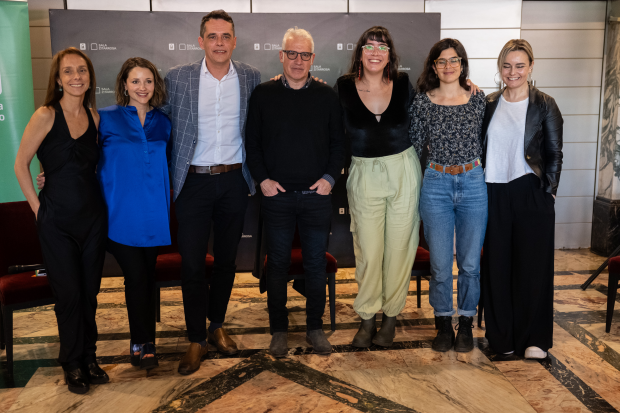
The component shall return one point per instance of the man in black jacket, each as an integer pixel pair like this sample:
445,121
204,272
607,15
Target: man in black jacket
295,150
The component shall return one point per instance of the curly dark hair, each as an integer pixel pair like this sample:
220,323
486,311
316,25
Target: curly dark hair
428,80
379,34
159,94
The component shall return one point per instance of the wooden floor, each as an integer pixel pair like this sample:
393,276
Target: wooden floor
581,374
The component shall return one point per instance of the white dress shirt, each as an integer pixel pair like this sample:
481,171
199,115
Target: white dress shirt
505,150
219,136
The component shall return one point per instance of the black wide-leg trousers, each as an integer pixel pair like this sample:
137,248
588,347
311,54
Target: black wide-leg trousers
138,265
74,266
517,266
223,200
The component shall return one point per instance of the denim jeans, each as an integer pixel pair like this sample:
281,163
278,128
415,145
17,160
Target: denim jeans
311,213
449,203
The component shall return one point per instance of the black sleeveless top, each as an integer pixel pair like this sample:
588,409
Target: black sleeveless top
369,138
71,198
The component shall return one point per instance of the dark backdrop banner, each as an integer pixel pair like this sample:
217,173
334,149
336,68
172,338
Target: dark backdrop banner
169,39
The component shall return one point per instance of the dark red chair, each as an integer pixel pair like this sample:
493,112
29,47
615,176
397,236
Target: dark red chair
296,270
612,290
168,268
19,245
421,268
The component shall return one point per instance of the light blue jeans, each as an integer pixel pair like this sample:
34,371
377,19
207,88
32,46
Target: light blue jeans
449,202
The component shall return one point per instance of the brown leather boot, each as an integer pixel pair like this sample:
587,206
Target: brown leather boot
190,362
225,345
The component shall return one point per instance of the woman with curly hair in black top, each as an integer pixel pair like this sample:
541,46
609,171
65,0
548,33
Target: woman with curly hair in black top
383,187
447,117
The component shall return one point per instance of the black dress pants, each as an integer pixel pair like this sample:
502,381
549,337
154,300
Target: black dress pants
74,266
138,265
221,199
517,269
312,214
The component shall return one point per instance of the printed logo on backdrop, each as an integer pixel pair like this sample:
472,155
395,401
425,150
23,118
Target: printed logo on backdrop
187,46
100,46
82,46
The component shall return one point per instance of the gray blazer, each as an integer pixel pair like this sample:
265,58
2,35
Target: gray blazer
182,84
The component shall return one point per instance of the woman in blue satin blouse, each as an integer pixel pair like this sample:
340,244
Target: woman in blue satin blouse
134,139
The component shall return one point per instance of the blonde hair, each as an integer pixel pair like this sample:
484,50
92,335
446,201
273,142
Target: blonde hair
297,32
513,46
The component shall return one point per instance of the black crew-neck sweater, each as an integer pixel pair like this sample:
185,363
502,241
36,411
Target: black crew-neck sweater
294,136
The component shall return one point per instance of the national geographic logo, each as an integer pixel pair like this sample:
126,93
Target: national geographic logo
400,67
343,211
340,46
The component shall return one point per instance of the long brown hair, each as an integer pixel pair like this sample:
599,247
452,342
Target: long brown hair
428,80
159,94
54,94
379,34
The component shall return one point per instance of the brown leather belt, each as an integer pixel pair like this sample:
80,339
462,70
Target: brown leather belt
455,169
213,170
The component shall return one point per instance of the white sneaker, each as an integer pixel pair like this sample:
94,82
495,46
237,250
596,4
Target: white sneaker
535,353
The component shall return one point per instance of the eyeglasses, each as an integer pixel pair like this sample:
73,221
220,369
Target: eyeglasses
368,49
453,61
291,54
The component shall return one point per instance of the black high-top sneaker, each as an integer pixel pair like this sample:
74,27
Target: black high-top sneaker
464,337
445,334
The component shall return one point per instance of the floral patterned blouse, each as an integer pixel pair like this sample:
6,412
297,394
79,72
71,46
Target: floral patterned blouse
453,132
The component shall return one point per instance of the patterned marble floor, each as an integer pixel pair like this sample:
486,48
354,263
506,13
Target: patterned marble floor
581,374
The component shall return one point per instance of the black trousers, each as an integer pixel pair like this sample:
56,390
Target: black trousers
517,267
221,199
312,214
74,264
138,265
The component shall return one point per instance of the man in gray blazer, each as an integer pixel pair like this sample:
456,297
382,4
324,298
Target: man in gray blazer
207,104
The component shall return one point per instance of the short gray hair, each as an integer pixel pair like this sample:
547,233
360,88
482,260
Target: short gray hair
297,32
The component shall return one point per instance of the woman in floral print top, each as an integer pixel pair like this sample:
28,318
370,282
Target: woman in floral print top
447,117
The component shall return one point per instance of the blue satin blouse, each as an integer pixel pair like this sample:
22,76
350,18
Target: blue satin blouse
133,174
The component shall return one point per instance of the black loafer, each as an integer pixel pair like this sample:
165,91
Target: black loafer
76,381
95,374
148,363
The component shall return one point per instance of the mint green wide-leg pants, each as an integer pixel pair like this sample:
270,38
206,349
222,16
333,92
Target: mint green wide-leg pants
383,197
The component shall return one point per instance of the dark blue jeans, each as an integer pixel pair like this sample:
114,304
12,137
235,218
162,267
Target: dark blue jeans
312,214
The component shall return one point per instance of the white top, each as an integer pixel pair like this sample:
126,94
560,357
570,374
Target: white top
219,136
505,157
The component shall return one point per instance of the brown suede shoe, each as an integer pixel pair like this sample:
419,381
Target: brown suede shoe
190,362
223,342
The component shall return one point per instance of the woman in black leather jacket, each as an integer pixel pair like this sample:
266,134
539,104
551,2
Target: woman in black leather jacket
522,155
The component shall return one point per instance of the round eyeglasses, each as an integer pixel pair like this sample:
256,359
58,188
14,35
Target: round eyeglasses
368,49
453,62
291,54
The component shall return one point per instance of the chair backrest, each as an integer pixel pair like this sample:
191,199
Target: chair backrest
19,241
174,228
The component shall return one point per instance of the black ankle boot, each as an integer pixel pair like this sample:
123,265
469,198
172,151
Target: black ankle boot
465,337
95,374
76,381
367,330
385,336
445,336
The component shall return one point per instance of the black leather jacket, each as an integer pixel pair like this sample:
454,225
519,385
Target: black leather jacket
543,136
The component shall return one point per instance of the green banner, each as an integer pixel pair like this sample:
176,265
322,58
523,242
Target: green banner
16,95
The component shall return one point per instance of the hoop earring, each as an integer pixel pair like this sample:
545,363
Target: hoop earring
529,78
126,92
497,81
359,71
